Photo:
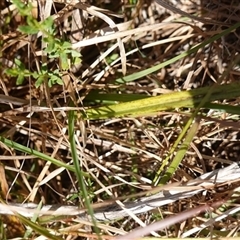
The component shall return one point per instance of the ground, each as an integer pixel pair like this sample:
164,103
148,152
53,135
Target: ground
117,98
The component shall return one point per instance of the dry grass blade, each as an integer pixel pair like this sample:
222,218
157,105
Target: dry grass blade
115,211
171,7
157,226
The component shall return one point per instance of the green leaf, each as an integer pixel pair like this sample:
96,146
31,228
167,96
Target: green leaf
20,80
64,61
20,65
75,53
53,45
23,9
12,72
18,62
28,30
39,81
35,74
59,81
48,24
55,78
66,45
76,61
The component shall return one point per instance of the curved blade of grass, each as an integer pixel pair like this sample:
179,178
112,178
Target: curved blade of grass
33,219
164,102
79,172
182,150
33,152
145,72
177,159
36,227
180,153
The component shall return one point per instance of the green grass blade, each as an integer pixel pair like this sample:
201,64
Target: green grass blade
37,228
180,153
148,71
33,152
148,106
182,150
33,220
79,173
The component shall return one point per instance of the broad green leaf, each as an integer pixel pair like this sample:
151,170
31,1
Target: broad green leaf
28,30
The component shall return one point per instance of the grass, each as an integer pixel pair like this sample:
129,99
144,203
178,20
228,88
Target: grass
89,116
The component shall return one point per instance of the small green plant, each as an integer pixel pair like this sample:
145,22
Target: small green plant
56,49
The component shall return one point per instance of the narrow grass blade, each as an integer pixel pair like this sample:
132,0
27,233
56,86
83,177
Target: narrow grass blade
79,173
144,73
33,152
180,153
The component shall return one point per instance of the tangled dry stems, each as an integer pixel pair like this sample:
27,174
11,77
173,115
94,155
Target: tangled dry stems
121,155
